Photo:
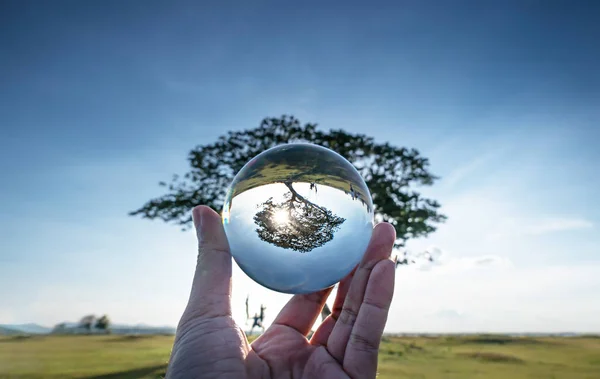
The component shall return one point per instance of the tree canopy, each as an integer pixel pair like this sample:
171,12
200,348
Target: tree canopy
103,323
87,322
392,174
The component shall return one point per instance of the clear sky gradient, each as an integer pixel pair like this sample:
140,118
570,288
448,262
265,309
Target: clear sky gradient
101,100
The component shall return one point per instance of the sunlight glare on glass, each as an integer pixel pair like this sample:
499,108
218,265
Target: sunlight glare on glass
281,217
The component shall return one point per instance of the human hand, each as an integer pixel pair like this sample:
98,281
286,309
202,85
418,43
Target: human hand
209,344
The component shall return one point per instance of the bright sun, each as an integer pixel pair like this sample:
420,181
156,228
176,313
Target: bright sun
280,217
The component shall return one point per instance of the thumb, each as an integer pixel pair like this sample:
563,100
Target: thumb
211,287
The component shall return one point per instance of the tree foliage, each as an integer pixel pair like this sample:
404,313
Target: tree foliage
59,328
87,322
103,323
392,174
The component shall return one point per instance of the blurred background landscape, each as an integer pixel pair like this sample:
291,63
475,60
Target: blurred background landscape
474,123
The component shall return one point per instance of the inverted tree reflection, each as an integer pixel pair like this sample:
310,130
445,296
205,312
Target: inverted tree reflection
304,227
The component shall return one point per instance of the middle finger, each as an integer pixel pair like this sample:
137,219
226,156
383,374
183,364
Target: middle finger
379,249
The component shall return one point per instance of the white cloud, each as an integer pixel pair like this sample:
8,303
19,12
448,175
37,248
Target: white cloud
446,261
477,262
8,317
497,299
442,260
556,224
452,314
461,173
528,226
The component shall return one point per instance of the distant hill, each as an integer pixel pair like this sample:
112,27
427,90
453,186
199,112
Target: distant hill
73,328
24,329
7,332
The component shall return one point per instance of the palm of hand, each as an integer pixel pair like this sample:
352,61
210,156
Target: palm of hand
210,345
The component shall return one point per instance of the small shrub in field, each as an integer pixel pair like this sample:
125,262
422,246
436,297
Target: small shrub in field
493,357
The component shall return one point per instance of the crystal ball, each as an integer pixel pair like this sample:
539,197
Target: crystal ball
298,218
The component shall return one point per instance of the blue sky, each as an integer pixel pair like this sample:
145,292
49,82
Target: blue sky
99,101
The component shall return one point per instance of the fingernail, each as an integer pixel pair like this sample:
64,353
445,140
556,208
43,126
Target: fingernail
197,219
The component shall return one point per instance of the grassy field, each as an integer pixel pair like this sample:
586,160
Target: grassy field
300,165
491,357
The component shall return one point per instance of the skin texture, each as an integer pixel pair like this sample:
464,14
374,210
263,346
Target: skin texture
209,344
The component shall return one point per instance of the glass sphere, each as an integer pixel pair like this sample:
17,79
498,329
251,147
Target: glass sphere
298,218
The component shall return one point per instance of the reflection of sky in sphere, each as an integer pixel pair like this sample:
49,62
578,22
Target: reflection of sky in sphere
291,271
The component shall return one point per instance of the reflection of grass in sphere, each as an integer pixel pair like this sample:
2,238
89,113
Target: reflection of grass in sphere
300,163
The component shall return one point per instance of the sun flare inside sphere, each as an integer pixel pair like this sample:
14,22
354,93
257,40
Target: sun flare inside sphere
280,217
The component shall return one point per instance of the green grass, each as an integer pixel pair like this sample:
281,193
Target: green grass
300,164
99,357
489,357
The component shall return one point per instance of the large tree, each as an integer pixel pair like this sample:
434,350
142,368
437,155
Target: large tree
103,323
392,174
87,322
